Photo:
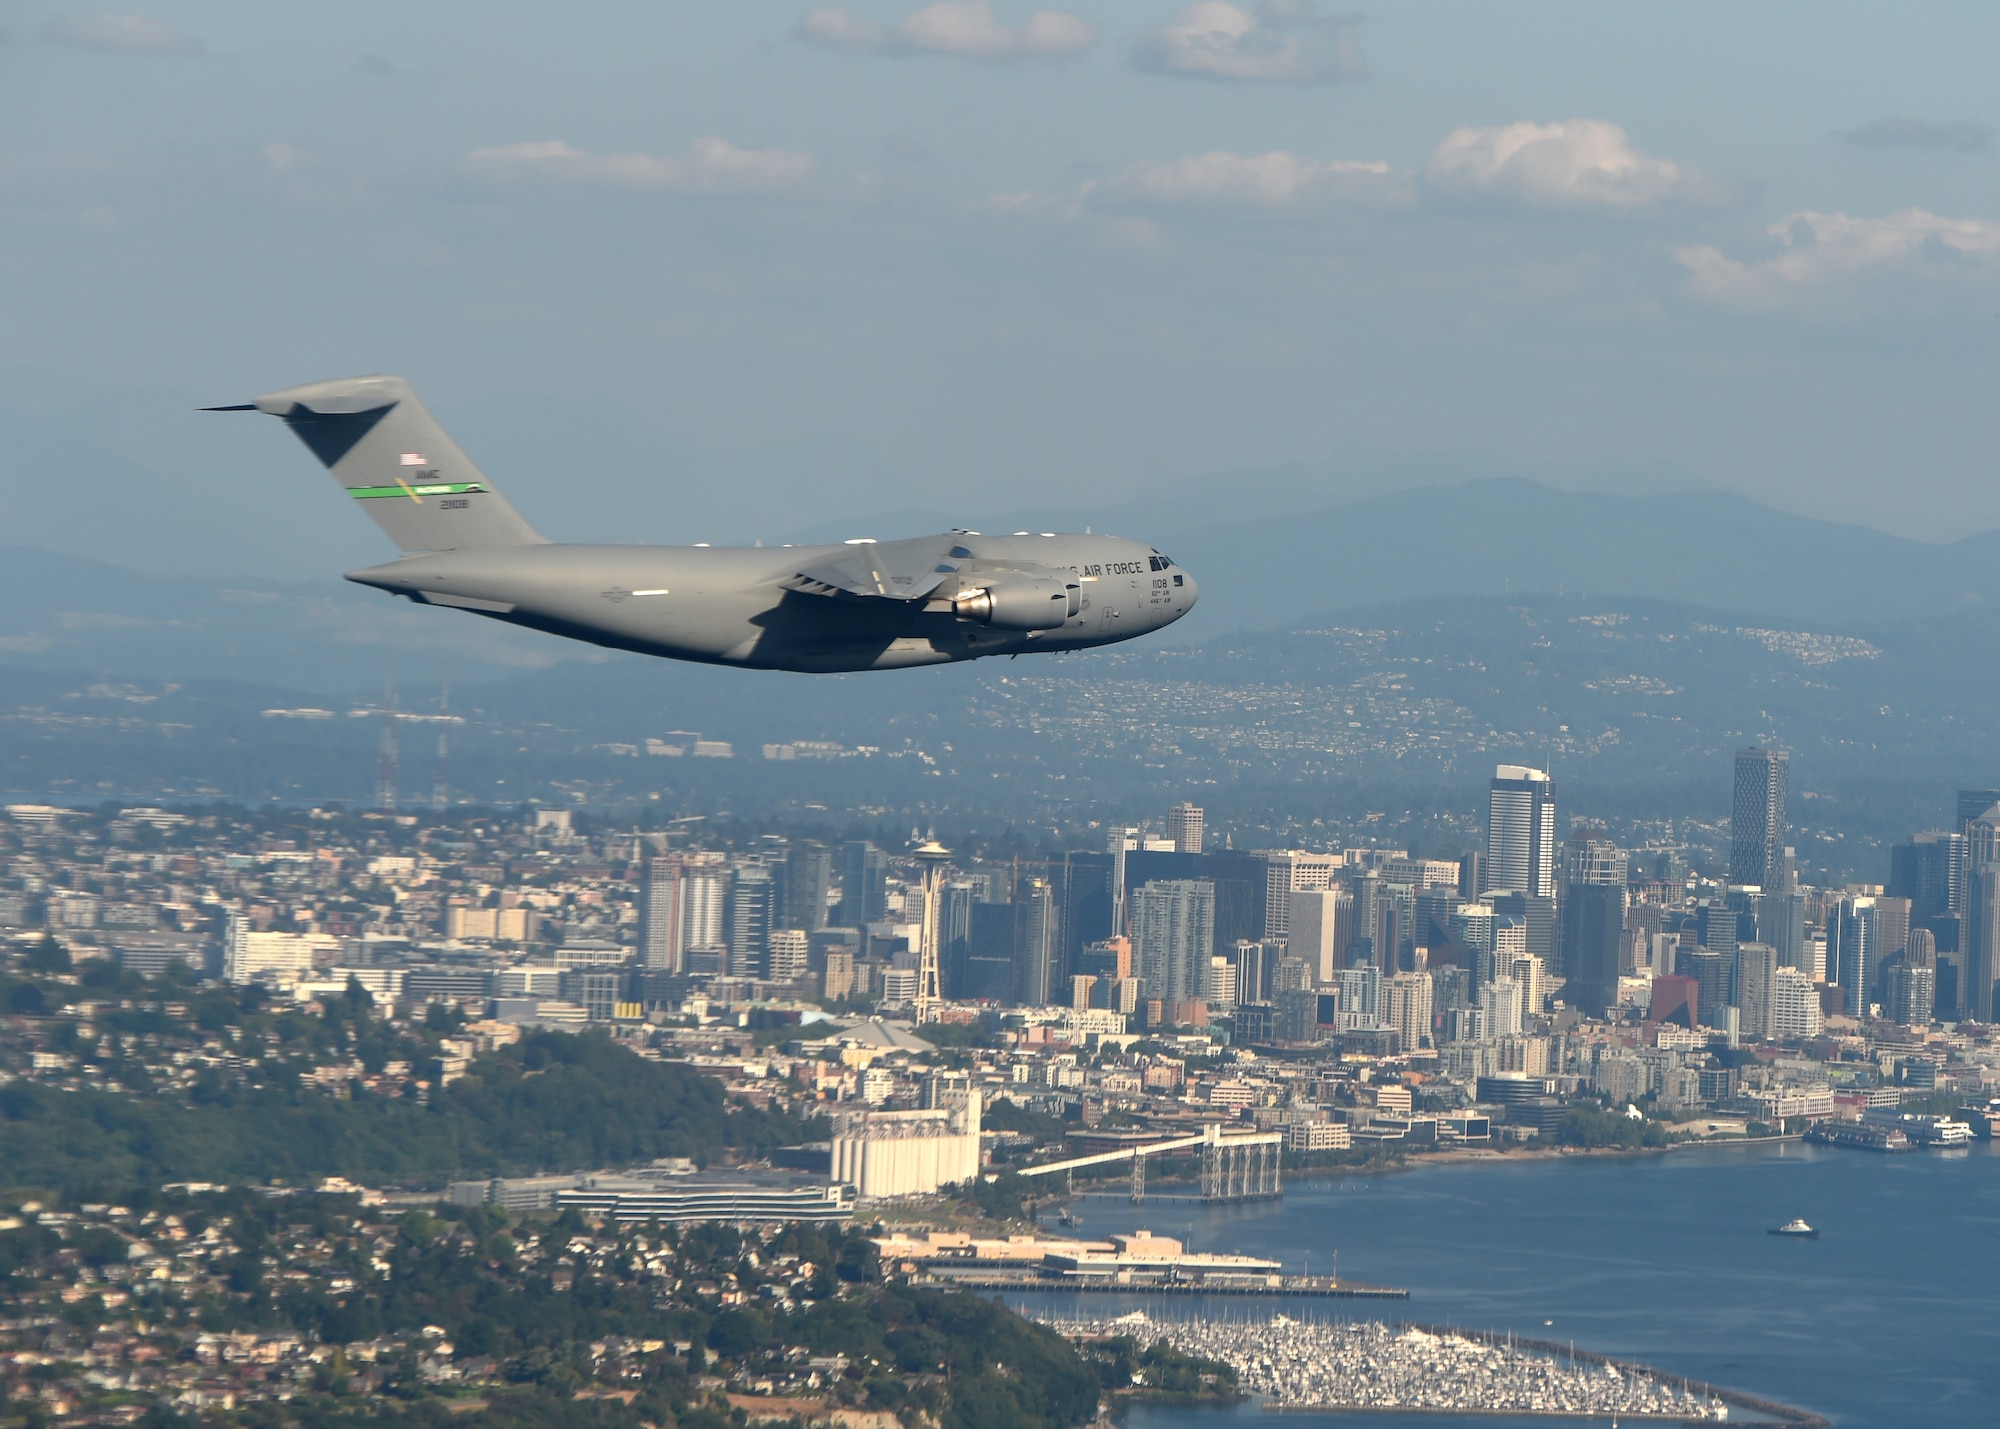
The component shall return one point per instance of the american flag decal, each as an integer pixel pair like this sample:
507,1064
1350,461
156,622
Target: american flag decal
413,459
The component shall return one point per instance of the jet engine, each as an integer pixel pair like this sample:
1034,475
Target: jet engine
1021,603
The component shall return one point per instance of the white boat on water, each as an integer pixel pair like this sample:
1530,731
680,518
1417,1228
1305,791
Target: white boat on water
1797,1228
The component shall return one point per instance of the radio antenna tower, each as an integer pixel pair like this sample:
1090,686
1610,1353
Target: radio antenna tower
385,764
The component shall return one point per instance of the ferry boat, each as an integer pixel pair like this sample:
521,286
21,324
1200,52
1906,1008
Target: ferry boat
1797,1228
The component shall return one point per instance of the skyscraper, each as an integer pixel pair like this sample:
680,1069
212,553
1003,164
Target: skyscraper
1589,856
1912,995
1974,802
1593,922
1521,832
1322,921
1406,1006
1287,871
1034,942
1782,923
864,873
1756,972
808,874
1757,818
704,889
750,908
660,916
1173,936
1979,948
955,902
1185,826
1851,957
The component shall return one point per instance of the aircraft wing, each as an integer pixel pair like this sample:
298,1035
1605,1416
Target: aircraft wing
881,570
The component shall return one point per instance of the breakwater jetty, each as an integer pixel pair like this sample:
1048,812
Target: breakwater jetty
1319,1287
1315,1365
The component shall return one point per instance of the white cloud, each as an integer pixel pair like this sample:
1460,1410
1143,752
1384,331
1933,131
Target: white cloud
709,166
1823,254
953,27
1578,163
1279,42
126,33
1274,180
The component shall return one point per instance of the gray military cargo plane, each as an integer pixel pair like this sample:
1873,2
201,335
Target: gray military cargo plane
863,605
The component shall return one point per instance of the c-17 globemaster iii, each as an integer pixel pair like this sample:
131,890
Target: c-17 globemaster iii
861,605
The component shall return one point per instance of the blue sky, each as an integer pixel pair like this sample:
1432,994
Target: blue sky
692,272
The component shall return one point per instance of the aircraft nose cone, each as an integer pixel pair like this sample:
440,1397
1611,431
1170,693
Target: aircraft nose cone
1193,591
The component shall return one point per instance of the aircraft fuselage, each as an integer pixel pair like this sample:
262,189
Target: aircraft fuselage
745,606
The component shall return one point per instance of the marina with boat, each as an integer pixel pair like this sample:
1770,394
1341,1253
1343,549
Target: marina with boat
1334,1366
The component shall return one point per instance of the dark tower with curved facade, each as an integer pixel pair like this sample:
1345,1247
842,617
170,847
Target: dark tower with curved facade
1757,818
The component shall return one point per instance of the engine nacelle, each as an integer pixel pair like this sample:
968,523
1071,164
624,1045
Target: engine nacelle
1021,603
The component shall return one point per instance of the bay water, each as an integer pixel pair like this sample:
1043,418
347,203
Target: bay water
1890,1318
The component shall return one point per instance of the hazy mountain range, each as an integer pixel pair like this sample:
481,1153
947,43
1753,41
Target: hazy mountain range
1273,565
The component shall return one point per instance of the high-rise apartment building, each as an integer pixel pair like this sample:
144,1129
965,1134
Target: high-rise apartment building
808,875
1756,971
1757,818
1531,975
789,949
1220,991
1472,932
681,906
1521,832
1782,923
749,926
704,906
1173,936
1712,974
1912,995
1186,826
1794,1004
1407,1007
660,915
1500,1002
1360,997
1256,965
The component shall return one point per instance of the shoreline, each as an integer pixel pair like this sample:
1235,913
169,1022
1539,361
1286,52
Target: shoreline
1460,1156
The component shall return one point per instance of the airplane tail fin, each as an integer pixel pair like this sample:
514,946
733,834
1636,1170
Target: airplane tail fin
392,456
